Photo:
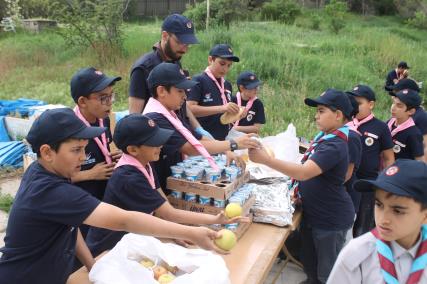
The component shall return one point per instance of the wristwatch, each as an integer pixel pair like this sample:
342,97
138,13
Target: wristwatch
233,145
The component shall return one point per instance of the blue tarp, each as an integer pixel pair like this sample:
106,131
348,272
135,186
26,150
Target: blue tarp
11,153
4,136
19,106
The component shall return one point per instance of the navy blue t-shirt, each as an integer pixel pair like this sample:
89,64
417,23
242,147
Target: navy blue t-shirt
255,113
130,190
408,144
420,119
376,137
206,93
42,230
392,75
170,153
355,154
325,201
94,156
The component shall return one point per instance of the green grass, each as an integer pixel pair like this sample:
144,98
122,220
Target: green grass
294,62
6,201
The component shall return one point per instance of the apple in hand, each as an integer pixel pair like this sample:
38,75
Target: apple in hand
147,263
166,278
159,271
227,240
233,210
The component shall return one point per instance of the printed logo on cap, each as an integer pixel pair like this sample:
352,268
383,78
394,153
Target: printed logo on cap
97,72
356,88
322,94
230,50
392,171
252,77
151,123
405,92
189,25
181,71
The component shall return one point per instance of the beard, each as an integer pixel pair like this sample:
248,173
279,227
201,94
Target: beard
170,53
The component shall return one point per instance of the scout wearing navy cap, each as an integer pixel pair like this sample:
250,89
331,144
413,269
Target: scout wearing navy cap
56,125
169,74
404,178
180,26
404,84
248,80
364,92
332,98
136,129
403,65
409,97
90,80
223,51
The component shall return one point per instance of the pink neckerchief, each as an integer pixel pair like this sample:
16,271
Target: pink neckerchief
154,105
221,87
355,124
101,144
131,161
247,107
409,123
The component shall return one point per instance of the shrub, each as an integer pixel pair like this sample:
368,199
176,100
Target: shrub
418,21
285,11
336,10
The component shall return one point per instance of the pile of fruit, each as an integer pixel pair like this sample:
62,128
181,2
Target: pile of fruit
163,273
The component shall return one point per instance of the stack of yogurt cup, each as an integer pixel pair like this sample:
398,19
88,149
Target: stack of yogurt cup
240,196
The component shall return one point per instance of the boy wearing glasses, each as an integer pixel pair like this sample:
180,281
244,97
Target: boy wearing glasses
93,93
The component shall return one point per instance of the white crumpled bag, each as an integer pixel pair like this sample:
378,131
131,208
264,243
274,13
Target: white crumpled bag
121,264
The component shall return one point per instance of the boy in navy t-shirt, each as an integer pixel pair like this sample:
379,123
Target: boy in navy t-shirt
42,235
328,211
209,99
134,185
407,138
377,149
253,116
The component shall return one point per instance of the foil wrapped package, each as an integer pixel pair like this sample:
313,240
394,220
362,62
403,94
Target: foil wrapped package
273,203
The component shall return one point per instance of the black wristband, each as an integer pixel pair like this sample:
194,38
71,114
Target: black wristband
233,145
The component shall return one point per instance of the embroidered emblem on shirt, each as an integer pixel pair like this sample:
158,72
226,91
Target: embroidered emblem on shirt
369,141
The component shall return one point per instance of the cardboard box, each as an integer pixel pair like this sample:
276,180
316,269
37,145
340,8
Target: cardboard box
221,190
208,209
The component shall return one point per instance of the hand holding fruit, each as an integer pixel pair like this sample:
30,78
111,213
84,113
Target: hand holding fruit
259,155
204,237
227,240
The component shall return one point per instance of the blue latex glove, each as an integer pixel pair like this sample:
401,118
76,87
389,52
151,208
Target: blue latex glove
203,132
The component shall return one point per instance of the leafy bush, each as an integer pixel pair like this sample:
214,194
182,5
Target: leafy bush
222,12
285,11
336,9
92,23
418,21
35,8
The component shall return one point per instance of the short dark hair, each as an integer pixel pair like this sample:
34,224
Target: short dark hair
422,204
54,146
154,90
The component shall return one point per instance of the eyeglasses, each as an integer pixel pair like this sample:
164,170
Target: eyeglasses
105,99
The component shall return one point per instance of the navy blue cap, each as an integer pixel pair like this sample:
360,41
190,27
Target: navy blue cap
223,51
404,84
363,91
169,74
89,80
409,97
404,178
248,79
403,65
181,27
136,129
56,125
332,98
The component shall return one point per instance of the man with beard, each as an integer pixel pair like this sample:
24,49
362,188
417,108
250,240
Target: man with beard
177,34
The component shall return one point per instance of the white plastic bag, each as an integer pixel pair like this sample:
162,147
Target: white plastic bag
121,264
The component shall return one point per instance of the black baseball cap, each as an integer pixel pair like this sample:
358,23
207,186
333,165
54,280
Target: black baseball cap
223,51
404,178
169,74
56,125
403,64
332,98
248,79
181,27
409,97
363,91
89,80
404,84
354,105
137,129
